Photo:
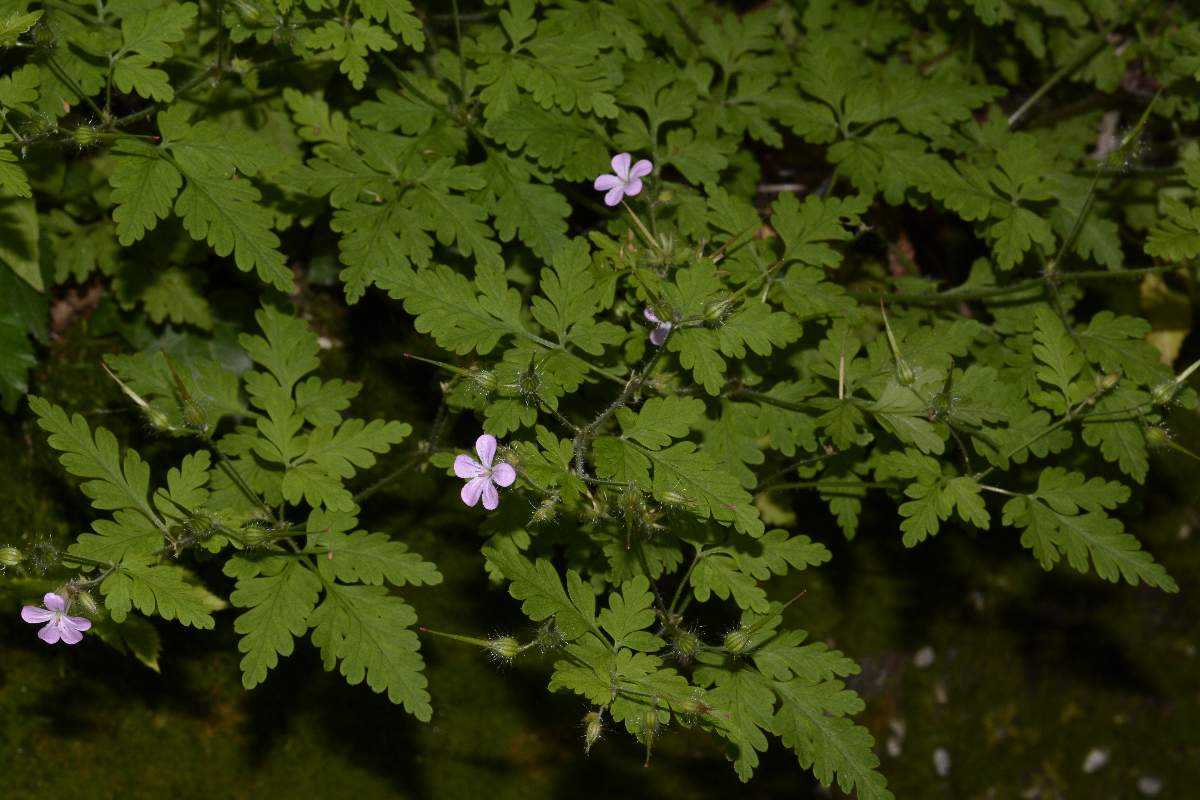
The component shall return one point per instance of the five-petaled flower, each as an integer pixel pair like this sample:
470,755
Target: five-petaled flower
626,182
59,624
661,329
482,476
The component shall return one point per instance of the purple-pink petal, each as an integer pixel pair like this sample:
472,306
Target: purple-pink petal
35,615
473,488
606,182
614,195
50,633
503,474
491,498
467,467
54,602
485,445
659,334
69,634
641,169
634,187
649,314
78,623
620,165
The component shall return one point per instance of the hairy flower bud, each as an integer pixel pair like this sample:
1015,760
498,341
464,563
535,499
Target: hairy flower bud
1164,393
194,415
593,729
686,644
10,556
737,641
88,602
1156,436
716,311
85,136
546,511
483,380
504,648
1107,381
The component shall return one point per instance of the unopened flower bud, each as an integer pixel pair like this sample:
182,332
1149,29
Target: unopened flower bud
546,511
737,641
695,707
717,310
504,648
904,373
1107,381
631,501
528,383
686,645
1164,393
650,722
1157,437
85,136
10,556
483,380
676,499
194,415
88,602
593,729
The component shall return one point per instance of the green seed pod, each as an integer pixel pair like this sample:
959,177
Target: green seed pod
10,556
904,373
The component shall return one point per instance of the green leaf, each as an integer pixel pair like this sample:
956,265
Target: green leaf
629,613
368,632
746,702
1116,427
811,721
144,184
447,306
112,483
186,491
169,591
1114,553
682,471
784,656
15,23
537,584
279,594
1060,361
659,420
19,239
362,557
146,39
287,348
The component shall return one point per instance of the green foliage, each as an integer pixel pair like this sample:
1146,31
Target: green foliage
873,262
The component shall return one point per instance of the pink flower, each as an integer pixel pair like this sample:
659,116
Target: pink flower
661,329
482,477
626,182
59,625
